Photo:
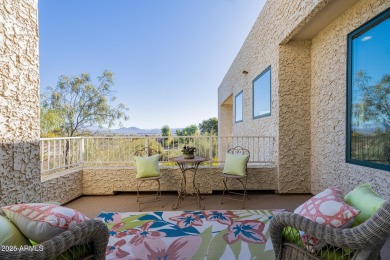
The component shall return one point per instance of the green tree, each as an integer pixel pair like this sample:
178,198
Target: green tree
50,122
81,104
188,131
209,126
375,99
166,131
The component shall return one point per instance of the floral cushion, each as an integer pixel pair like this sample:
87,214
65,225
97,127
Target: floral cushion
327,207
40,222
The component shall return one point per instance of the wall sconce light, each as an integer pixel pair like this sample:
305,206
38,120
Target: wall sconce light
244,72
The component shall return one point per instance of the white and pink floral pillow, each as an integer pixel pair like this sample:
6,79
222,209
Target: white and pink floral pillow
327,207
40,222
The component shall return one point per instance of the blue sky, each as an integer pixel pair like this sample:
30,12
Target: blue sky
168,57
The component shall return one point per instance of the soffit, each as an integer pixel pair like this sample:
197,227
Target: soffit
324,17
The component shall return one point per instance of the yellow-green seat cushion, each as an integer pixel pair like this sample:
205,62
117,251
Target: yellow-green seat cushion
10,235
327,252
364,199
235,164
147,166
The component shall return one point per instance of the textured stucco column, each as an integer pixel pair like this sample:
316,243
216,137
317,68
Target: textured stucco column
20,179
294,117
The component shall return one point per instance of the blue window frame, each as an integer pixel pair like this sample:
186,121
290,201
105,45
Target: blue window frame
261,94
368,94
238,107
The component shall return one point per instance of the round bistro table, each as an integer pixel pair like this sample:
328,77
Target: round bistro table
186,165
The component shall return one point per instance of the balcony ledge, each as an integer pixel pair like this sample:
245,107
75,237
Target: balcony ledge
69,184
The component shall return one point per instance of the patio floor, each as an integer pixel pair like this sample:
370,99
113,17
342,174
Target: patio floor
91,206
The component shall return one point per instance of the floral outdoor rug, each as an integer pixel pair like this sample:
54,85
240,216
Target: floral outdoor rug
208,234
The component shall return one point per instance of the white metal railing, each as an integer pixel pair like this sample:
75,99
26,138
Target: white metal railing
64,153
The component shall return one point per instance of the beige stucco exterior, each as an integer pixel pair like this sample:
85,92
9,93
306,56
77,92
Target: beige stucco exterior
20,176
304,42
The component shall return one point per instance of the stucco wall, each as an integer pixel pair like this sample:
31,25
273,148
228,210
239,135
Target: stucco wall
328,105
106,180
294,117
63,186
277,23
20,178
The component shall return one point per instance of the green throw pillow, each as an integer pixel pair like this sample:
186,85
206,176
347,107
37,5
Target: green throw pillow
235,164
10,235
364,199
147,166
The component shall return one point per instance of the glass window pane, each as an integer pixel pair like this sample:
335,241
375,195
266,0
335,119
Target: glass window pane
262,94
370,93
238,107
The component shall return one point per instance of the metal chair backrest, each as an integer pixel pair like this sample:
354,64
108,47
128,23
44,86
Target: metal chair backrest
238,150
146,151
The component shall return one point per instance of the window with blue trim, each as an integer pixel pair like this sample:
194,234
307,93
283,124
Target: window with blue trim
368,94
262,94
238,107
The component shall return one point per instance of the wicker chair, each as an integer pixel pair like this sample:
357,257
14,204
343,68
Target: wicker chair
241,179
90,236
146,151
362,242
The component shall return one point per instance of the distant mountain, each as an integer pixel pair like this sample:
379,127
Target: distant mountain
130,131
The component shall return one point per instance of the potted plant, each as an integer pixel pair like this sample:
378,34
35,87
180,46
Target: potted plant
188,152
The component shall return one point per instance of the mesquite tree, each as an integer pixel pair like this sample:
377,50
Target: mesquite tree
81,104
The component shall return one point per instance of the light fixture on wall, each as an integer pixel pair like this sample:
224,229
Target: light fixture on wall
244,72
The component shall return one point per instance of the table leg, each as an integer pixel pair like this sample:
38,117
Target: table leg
182,192
183,186
196,187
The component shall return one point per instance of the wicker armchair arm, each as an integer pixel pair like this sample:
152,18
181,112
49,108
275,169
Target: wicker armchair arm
90,231
371,234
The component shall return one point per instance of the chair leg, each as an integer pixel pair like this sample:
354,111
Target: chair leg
157,196
158,190
138,190
245,192
224,188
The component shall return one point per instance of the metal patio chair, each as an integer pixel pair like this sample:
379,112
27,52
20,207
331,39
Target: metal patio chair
238,150
146,151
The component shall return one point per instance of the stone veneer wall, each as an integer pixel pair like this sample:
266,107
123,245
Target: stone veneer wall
328,105
109,180
20,179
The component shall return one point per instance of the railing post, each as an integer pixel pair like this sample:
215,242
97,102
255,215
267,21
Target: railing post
48,155
211,150
146,141
82,151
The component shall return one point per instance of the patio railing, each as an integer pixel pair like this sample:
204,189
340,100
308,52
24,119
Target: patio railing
63,153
